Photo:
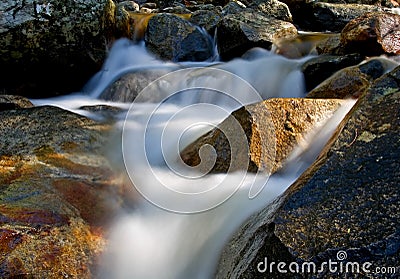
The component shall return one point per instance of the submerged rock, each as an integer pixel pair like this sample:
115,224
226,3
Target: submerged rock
344,208
272,128
57,193
126,88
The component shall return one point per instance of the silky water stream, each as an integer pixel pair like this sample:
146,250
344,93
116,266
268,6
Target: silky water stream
185,216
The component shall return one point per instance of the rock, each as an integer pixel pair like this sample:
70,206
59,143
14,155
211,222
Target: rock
352,81
237,33
346,201
330,46
58,193
273,8
320,16
268,144
14,102
52,47
176,39
233,7
130,85
302,45
207,19
317,69
372,34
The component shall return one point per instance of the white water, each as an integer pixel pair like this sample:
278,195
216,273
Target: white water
155,241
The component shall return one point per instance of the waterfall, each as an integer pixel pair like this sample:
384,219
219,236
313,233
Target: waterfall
185,217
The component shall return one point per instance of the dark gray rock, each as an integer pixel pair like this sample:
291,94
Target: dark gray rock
317,69
237,33
346,201
207,19
333,17
173,38
272,8
52,47
352,81
126,88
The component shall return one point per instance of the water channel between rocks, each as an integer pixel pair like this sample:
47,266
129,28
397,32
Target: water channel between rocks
181,225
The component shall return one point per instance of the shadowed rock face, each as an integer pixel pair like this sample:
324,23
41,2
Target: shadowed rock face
272,128
347,200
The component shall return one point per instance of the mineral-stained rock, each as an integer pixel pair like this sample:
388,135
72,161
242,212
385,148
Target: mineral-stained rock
352,81
373,34
57,193
173,38
272,128
52,47
346,202
237,33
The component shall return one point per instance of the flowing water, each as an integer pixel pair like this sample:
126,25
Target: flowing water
186,217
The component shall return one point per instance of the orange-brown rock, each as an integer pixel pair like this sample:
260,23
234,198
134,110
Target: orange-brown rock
272,128
373,34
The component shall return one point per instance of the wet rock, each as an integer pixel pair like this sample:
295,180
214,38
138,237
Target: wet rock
176,39
303,44
52,47
333,17
130,85
352,81
346,201
272,129
317,69
207,19
372,34
58,192
237,33
14,102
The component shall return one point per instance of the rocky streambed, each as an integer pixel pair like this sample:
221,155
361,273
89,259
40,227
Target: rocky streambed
61,189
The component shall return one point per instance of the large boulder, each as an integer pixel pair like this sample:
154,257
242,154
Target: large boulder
173,38
272,128
237,33
52,47
58,193
344,208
